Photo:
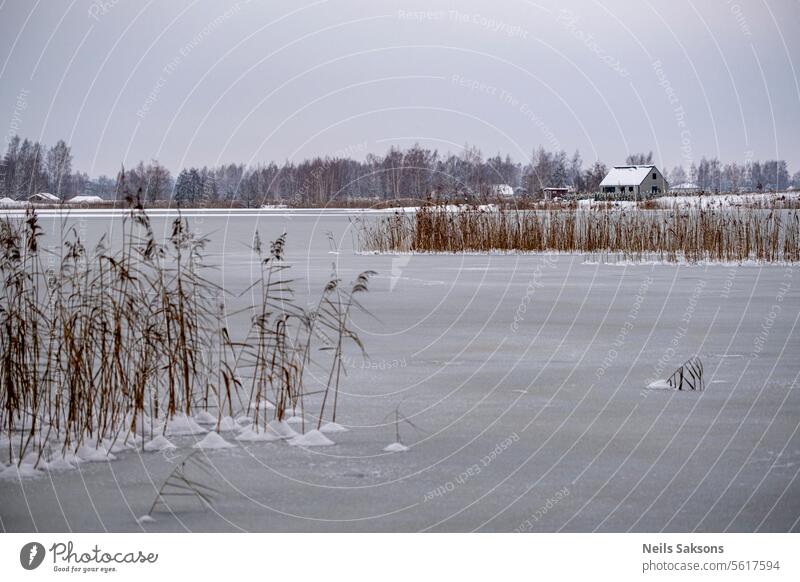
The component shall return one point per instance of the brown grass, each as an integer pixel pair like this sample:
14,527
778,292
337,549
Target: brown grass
732,235
92,341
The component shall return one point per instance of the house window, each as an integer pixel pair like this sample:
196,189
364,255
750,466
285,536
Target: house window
654,175
630,188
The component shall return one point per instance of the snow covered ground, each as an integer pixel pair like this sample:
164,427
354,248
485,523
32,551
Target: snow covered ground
525,377
727,200
707,200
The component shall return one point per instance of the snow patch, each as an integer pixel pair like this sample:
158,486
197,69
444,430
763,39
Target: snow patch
183,425
659,385
281,430
145,519
250,435
21,472
227,424
312,438
395,448
122,443
205,417
160,443
61,463
213,441
332,427
94,453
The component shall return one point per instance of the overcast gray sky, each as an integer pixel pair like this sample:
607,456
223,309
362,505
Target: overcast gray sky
196,82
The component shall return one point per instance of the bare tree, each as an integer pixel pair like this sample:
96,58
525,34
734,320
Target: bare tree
59,168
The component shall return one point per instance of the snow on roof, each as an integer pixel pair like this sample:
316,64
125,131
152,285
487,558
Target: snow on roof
45,195
626,175
10,202
87,199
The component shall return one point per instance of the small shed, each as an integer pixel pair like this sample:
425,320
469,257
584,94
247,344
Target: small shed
552,192
44,198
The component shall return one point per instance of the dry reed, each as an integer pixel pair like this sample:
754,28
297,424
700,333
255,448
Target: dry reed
98,347
728,235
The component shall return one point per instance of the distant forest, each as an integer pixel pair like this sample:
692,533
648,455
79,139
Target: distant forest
29,167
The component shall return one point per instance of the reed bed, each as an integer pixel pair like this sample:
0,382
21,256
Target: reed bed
100,347
692,235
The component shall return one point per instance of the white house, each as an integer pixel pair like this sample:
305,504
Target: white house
85,199
10,203
634,181
502,190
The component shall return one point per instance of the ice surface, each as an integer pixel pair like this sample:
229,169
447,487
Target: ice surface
250,435
526,375
333,427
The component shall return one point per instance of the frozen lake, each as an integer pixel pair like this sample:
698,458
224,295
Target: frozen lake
525,376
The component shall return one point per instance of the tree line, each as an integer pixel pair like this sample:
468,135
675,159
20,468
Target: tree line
29,167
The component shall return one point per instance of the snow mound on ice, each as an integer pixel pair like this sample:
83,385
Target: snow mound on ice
182,425
122,443
266,405
659,385
227,424
243,420
281,430
250,435
298,419
312,438
144,425
160,443
94,454
331,427
213,441
205,417
61,463
395,448
22,472
145,519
